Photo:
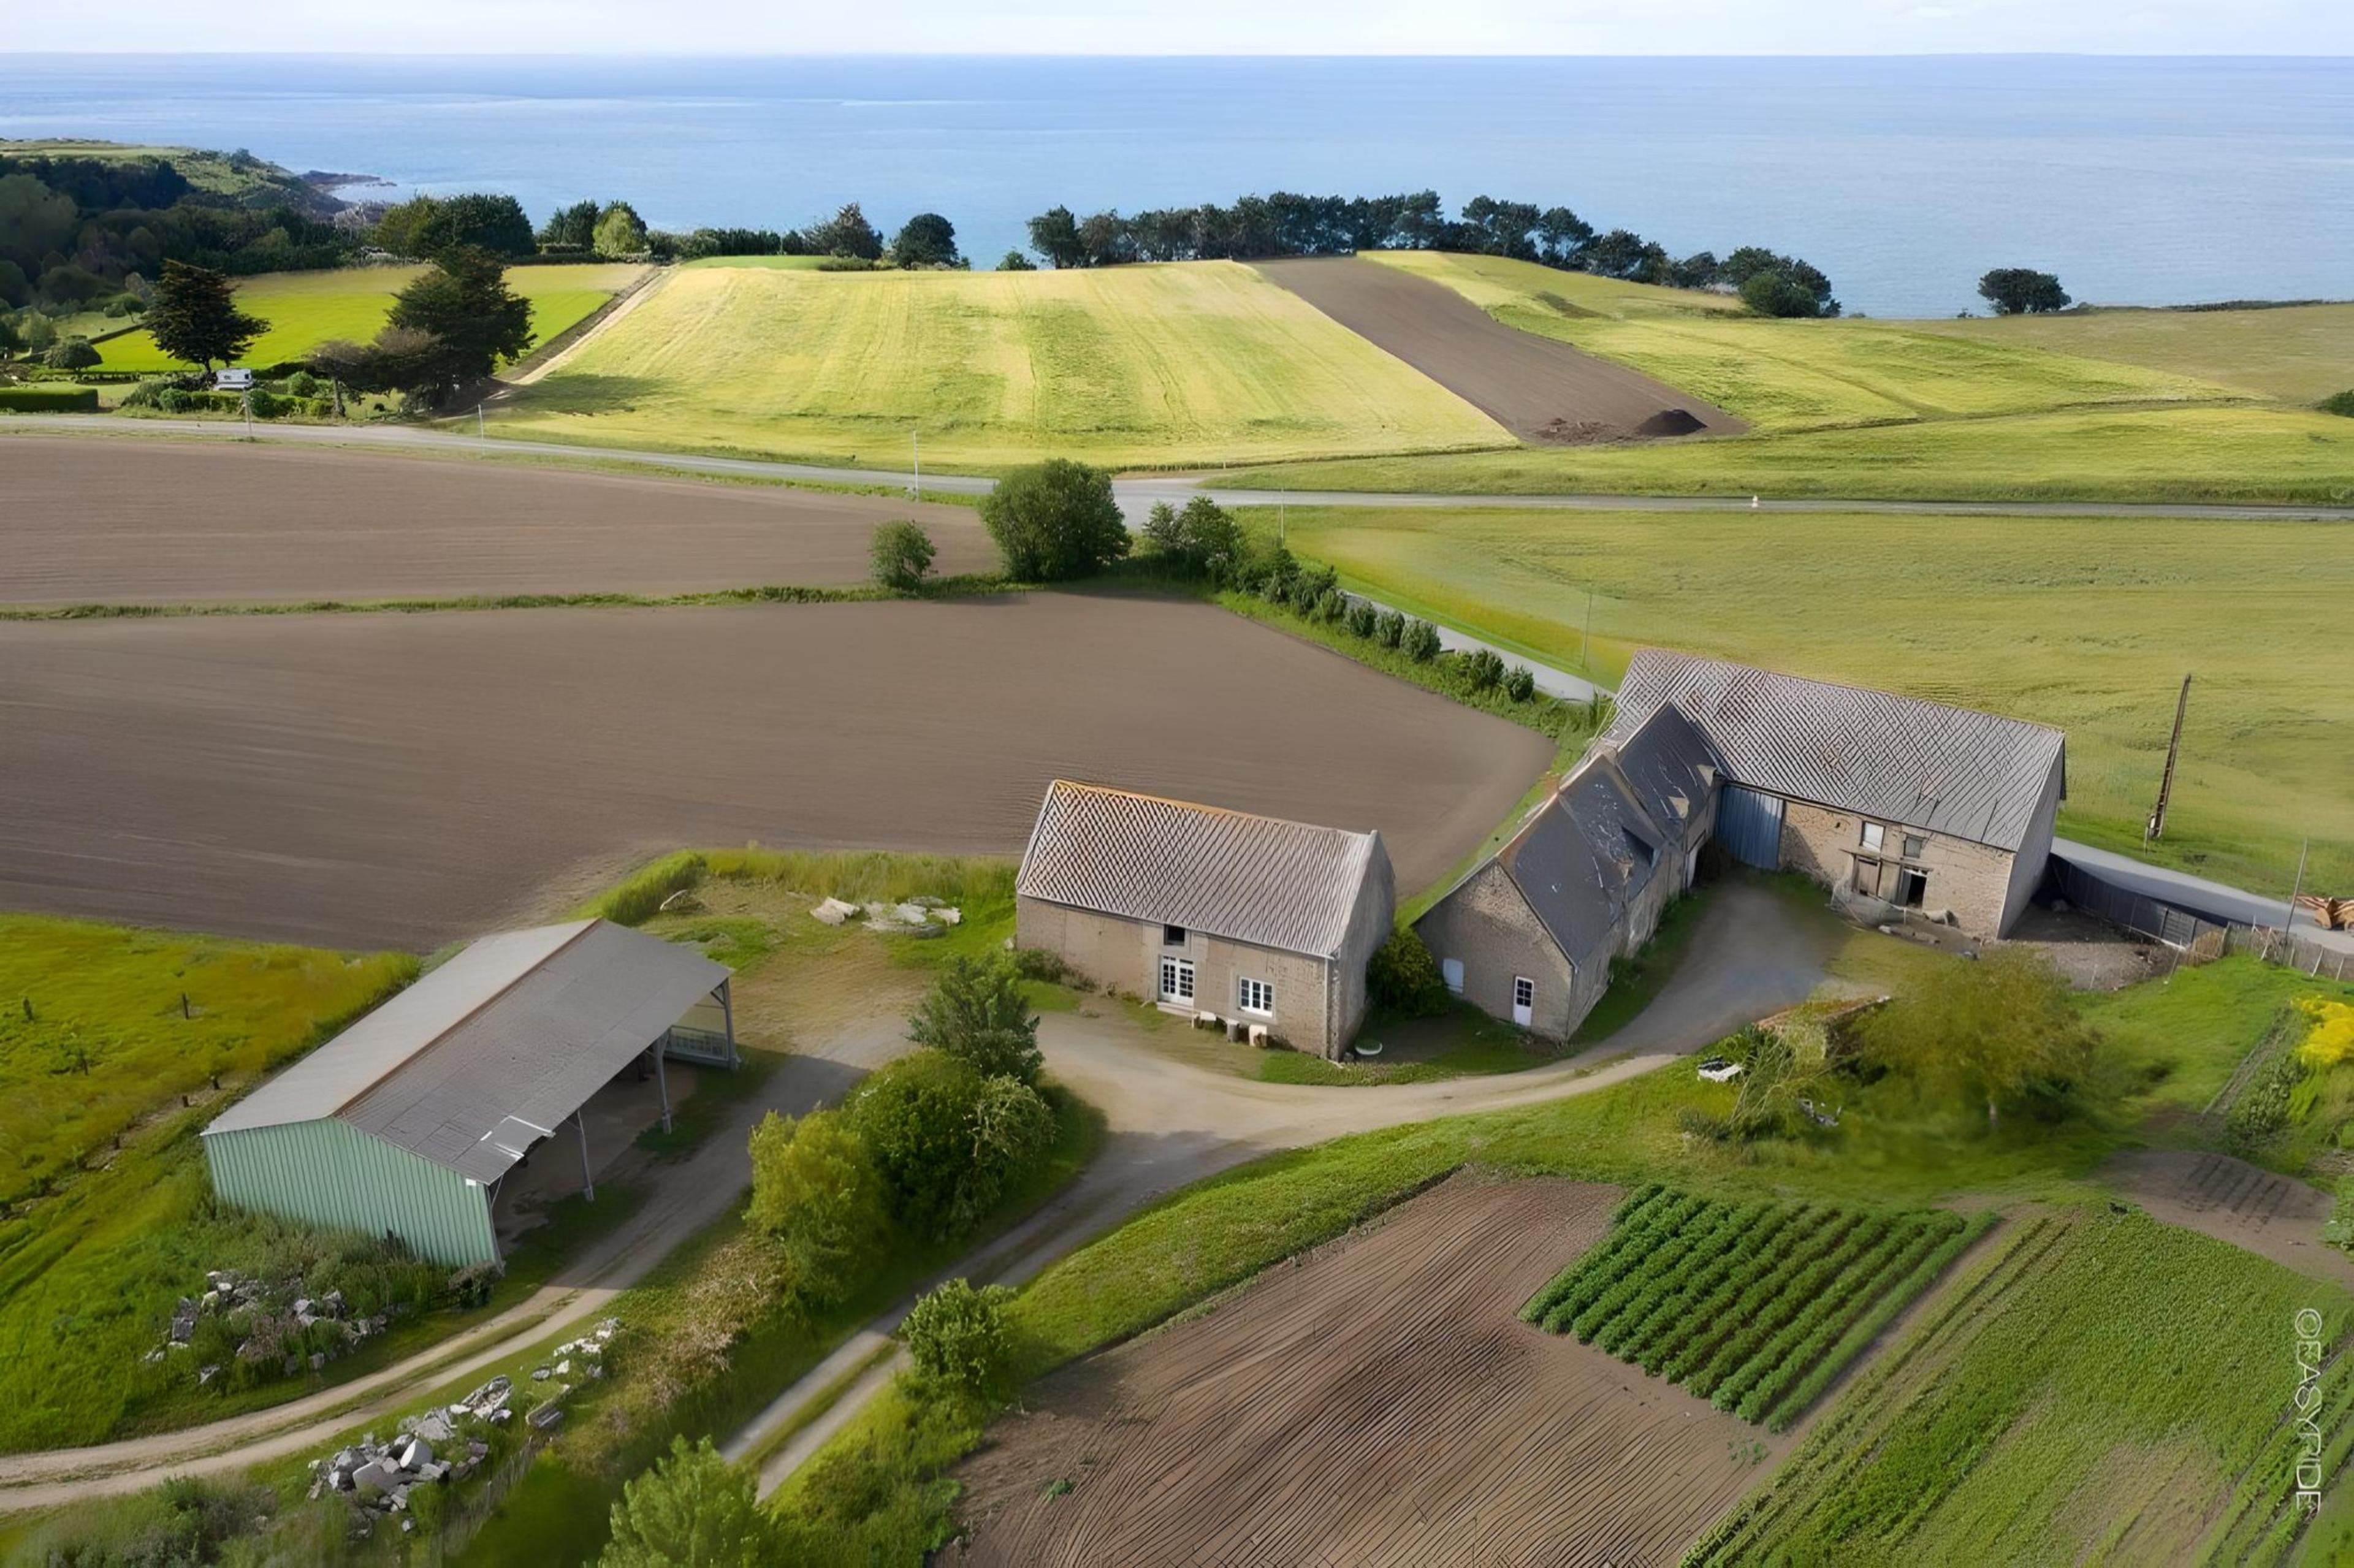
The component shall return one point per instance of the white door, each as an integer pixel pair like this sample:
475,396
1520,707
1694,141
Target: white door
1524,1000
1451,972
1177,981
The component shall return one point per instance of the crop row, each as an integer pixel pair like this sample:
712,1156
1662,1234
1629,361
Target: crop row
1576,1285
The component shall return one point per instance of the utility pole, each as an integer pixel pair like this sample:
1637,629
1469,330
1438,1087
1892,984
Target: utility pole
480,433
915,443
2295,888
2157,828
1586,639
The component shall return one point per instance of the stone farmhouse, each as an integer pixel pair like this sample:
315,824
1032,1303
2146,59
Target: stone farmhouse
1261,923
1916,806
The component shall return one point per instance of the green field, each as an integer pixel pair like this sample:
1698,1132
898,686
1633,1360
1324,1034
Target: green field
1755,1306
2110,1391
2088,623
305,309
1785,376
1166,364
2298,354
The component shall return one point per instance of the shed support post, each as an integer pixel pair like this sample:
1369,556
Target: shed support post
587,1182
662,1078
728,1013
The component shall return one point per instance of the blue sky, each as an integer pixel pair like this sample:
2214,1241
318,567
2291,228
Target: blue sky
1204,27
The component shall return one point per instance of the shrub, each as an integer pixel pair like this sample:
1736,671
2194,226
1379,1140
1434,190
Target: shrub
957,1336
2262,1108
49,399
943,1139
693,1507
266,404
1419,642
900,556
1389,627
1360,619
639,895
1054,521
976,1010
1404,978
303,384
1203,539
1482,669
1520,682
2338,403
1331,606
814,1186
73,354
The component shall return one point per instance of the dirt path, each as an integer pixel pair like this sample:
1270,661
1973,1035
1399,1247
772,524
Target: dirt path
1377,1402
544,364
385,779
179,523
2252,1208
1541,390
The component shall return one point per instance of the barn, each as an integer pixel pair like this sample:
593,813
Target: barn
408,1123
1258,922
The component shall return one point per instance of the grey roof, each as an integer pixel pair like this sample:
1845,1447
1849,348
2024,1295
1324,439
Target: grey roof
1667,765
1952,770
1585,855
494,1049
1260,880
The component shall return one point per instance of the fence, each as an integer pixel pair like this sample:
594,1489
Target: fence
2194,936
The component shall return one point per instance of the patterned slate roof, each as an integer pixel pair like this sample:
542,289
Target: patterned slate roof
1667,765
1952,770
1585,856
494,1049
1261,880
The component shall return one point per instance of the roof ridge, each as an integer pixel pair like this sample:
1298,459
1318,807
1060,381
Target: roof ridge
1206,809
497,996
1845,686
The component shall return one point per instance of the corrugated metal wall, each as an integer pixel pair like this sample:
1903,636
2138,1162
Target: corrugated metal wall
1749,825
325,1173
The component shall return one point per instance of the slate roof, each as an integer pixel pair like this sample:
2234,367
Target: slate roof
1585,855
1667,765
1951,770
494,1049
1273,884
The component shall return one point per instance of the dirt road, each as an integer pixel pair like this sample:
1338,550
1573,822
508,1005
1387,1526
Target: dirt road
370,780
183,522
1539,389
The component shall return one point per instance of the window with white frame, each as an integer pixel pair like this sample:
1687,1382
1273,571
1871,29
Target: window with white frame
1524,992
1257,996
1872,837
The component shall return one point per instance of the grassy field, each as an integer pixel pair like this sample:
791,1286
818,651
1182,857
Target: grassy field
1181,364
1753,1307
305,309
1786,376
2297,353
2067,1407
2087,623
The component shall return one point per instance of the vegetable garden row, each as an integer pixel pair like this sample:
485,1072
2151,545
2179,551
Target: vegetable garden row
1752,1306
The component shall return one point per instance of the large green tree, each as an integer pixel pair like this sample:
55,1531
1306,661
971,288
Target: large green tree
815,1187
1054,520
976,1010
1992,1032
957,1336
692,1509
2021,290
927,239
620,231
195,317
427,227
465,302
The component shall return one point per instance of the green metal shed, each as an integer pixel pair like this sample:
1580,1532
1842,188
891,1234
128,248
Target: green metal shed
406,1124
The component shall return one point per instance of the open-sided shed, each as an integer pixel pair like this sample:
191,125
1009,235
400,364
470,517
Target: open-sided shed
407,1122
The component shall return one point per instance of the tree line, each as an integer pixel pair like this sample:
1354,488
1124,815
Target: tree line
613,230
1287,224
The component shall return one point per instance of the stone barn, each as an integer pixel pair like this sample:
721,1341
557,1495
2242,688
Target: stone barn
1258,921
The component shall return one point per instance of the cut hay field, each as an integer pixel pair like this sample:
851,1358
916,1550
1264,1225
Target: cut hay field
1375,1404
1785,376
2084,622
305,309
1137,366
2059,1407
2298,354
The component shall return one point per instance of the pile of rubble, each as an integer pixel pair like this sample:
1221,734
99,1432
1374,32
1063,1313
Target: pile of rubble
243,1301
919,917
440,1446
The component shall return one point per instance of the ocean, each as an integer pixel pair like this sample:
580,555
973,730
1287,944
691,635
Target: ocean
2139,181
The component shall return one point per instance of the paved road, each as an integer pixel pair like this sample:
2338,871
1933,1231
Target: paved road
1138,494
2214,899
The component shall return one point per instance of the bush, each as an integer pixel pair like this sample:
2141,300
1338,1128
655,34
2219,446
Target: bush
1404,978
73,354
1332,606
49,399
639,895
2338,403
266,404
976,1011
957,1335
1520,682
814,1186
303,384
1389,627
2262,1108
1361,618
693,1507
943,1139
1055,521
1419,642
901,557
1483,670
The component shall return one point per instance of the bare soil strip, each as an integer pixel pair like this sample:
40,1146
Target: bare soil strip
407,779
1541,390
1375,1402
2252,1208
131,522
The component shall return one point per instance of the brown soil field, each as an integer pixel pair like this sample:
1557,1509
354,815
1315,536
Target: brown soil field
1540,391
2252,1208
1374,1402
106,519
374,779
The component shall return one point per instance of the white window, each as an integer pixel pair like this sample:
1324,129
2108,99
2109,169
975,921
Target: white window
1451,972
1872,837
1176,980
1257,996
1524,992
